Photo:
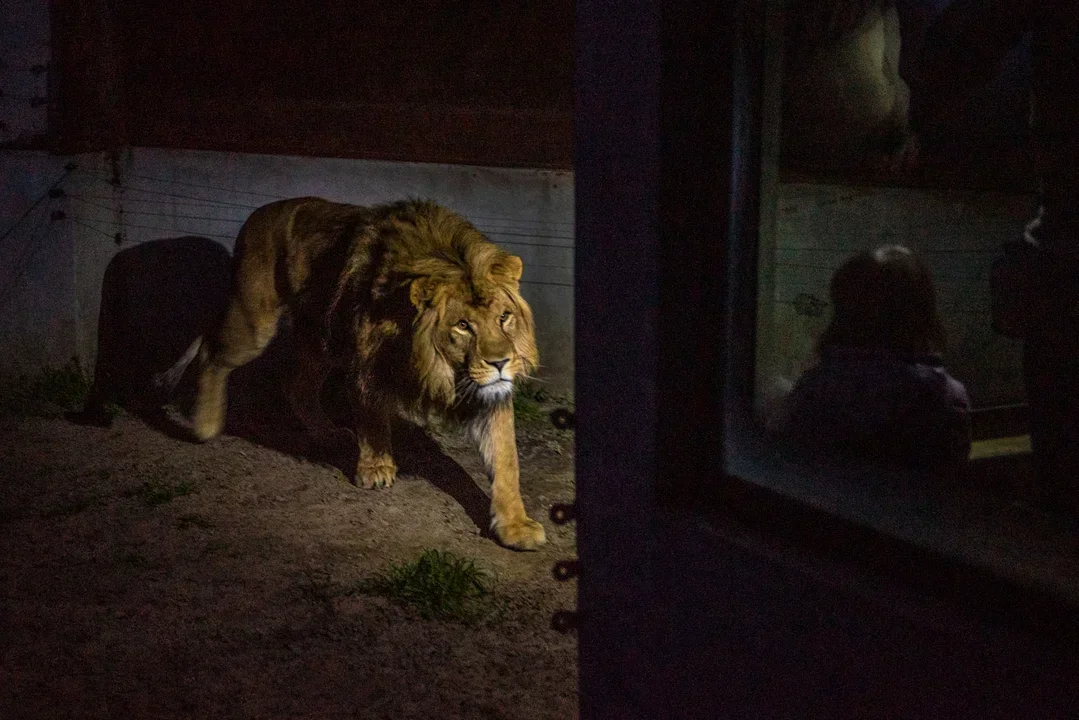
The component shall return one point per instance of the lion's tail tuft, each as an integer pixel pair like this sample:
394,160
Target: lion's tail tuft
164,383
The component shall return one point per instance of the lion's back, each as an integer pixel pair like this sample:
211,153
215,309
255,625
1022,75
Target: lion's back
286,247
283,240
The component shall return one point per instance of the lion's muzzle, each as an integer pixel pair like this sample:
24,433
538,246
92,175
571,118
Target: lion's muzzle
496,390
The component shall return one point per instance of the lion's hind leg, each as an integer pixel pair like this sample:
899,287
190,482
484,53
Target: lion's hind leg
308,378
243,335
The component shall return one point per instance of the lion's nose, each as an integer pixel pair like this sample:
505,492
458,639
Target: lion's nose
497,364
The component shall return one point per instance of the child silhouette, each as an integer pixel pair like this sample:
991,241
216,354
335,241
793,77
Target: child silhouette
880,389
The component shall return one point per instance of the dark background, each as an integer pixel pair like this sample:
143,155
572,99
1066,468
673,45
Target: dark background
430,80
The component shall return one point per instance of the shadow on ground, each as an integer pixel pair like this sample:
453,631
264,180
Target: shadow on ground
156,299
259,412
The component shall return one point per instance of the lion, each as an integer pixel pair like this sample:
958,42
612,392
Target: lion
422,312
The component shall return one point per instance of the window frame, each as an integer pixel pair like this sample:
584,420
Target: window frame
740,495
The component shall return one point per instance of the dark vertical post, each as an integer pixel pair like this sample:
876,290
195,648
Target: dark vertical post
653,172
616,336
696,162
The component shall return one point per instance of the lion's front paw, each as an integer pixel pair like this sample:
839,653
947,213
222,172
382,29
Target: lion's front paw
524,534
204,431
376,474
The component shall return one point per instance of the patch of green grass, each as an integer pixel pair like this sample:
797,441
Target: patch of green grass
66,386
193,520
111,410
532,401
158,493
55,389
214,547
526,408
440,585
68,507
528,397
531,390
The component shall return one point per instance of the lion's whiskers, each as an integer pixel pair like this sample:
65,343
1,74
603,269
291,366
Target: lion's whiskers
466,389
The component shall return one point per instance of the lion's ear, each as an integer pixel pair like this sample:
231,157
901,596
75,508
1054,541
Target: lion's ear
419,293
510,266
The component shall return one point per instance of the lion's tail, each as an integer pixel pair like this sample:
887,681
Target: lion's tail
165,383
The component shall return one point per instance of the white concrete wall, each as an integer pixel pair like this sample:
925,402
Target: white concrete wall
38,317
146,194
51,270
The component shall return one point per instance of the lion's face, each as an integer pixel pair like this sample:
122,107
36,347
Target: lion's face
483,342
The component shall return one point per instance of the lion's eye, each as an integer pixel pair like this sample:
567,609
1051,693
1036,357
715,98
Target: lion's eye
505,316
462,325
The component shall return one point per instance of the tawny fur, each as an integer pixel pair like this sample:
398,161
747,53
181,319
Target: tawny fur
423,311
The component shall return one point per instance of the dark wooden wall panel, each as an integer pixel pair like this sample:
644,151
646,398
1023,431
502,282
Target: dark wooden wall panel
430,80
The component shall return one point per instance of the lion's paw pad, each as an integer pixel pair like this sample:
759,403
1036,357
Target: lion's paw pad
524,534
372,476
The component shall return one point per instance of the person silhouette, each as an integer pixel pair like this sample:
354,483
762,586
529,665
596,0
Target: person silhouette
880,390
963,49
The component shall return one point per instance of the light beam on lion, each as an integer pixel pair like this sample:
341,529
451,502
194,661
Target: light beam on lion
422,311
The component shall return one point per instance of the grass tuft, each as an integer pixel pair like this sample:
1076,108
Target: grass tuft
532,389
440,585
157,493
66,386
528,399
526,409
193,520
68,507
55,389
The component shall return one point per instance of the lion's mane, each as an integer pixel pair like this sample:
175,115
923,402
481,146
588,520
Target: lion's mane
371,308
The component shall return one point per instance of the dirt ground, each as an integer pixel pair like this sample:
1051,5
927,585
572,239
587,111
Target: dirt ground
143,576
